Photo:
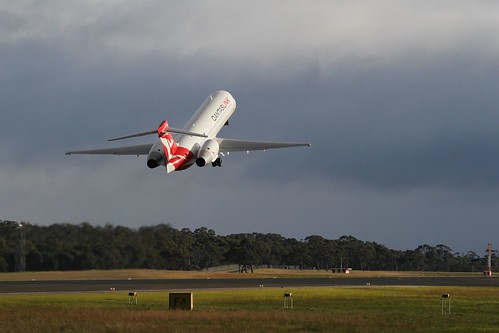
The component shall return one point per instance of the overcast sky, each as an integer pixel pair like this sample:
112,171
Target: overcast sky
399,99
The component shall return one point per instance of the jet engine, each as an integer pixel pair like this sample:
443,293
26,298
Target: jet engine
156,156
207,153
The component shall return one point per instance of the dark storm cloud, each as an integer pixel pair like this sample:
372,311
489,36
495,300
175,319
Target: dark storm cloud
399,100
406,127
401,126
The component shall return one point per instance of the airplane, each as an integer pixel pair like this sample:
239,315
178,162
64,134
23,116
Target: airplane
197,143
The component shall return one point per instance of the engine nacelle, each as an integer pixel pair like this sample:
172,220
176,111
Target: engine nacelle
156,156
207,153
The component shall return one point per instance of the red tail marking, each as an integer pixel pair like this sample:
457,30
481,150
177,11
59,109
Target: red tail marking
162,128
169,144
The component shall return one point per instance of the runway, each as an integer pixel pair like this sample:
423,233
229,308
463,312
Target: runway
197,284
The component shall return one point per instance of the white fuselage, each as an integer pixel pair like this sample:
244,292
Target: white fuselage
209,119
196,143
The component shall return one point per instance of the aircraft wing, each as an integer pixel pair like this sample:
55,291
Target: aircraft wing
231,145
129,150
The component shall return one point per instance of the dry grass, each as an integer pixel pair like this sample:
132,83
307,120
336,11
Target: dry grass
86,320
164,274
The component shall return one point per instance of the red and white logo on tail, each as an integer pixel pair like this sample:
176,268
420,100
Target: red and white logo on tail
175,156
169,144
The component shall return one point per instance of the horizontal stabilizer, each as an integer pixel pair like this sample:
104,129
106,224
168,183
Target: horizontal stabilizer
172,130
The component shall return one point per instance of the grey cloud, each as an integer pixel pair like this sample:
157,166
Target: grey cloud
398,99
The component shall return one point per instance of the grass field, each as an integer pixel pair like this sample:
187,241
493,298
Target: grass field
331,309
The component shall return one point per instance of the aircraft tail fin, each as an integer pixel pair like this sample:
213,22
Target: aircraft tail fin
169,144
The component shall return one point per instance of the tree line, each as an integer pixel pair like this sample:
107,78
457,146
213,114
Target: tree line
84,246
